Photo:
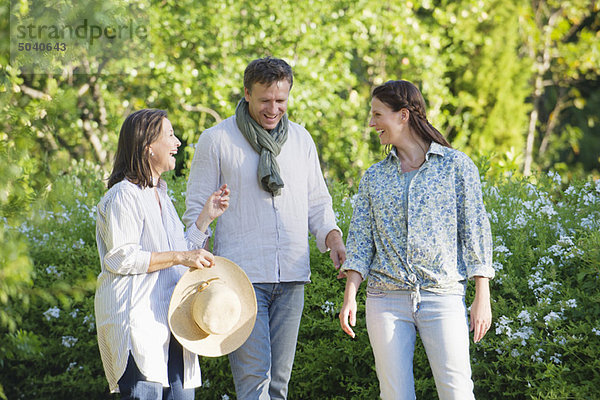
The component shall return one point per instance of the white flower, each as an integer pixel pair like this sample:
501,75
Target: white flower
565,241
535,280
50,313
544,301
545,260
529,205
552,316
524,316
497,266
69,341
90,321
502,326
549,288
548,209
556,358
596,331
537,356
51,269
515,353
328,307
590,222
493,192
571,303
589,199
520,220
524,333
556,250
561,340
493,216
555,176
503,249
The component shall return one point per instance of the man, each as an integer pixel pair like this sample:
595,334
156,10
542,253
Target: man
278,195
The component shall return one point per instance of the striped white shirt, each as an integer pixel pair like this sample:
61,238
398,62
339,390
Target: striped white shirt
131,305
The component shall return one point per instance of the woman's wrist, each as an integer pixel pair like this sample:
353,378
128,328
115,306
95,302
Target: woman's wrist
482,287
203,222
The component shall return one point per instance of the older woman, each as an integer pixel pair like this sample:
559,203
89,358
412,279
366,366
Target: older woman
143,252
419,232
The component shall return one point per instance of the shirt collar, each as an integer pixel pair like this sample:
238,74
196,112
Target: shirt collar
393,153
434,148
162,185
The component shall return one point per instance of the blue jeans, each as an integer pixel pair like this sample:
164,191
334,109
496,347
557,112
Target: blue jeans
262,366
441,321
134,386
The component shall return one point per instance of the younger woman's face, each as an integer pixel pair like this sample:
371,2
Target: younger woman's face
387,123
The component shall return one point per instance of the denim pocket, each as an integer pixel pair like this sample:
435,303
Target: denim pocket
375,293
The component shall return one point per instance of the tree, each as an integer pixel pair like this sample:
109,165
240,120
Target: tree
561,38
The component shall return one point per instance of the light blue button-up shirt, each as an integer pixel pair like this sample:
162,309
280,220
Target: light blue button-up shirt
434,238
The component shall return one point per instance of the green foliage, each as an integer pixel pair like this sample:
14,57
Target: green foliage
54,353
543,344
192,65
546,333
494,74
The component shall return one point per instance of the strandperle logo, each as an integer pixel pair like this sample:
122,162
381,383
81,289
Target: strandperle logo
80,36
90,32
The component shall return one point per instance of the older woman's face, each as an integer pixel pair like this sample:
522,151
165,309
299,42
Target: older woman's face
163,150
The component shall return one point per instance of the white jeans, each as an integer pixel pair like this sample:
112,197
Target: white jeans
441,321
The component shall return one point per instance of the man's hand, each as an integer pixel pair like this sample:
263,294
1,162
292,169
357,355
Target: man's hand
337,249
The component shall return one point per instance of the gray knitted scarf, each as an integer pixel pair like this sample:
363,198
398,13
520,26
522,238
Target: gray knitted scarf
267,144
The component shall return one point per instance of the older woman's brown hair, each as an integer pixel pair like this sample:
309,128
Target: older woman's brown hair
132,161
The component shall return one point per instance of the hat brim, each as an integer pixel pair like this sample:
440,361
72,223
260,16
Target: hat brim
182,323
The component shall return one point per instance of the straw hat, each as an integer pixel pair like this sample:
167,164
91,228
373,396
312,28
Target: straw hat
212,310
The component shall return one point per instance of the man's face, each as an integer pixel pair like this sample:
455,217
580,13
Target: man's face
267,104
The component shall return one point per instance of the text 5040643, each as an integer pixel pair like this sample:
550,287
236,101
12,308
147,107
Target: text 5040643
44,46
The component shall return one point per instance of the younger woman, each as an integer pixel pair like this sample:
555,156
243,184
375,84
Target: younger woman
419,231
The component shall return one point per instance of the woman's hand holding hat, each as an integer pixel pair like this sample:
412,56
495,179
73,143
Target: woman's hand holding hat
197,258
213,310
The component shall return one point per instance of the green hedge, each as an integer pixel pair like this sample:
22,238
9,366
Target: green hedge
544,343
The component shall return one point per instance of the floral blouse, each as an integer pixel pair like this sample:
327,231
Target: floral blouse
434,237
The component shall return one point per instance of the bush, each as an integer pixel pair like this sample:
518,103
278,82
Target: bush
543,344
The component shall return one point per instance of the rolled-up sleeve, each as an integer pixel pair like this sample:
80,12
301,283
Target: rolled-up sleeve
360,247
321,218
203,180
120,225
196,239
474,232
